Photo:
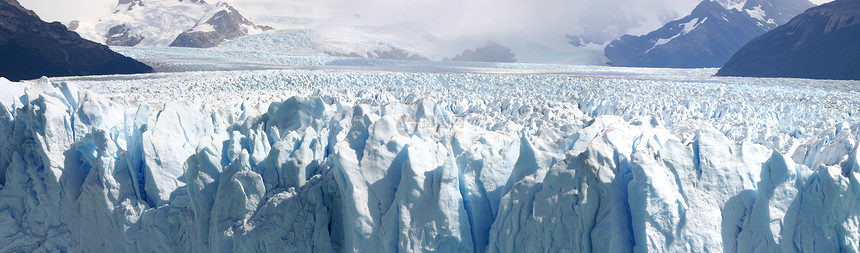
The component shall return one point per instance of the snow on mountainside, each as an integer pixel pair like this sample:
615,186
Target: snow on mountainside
453,157
301,37
399,41
707,37
536,33
160,22
216,27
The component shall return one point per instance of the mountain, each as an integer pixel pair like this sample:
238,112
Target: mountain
821,43
193,23
707,37
31,48
216,27
491,52
600,22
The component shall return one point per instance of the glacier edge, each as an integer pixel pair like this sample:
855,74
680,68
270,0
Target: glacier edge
308,174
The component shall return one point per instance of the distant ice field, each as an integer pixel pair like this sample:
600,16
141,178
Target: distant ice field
774,112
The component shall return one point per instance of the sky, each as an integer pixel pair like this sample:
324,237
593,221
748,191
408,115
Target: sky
68,10
480,14
444,19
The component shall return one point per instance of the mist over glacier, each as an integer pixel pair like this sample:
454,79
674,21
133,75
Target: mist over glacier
545,31
338,154
536,31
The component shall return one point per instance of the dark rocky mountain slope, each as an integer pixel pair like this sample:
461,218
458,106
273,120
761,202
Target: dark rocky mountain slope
31,48
821,43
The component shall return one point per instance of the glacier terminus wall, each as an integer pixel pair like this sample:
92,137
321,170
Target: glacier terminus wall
86,170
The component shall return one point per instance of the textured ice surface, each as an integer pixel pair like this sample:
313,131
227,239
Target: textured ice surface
389,157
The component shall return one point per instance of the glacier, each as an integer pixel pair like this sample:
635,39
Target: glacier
453,158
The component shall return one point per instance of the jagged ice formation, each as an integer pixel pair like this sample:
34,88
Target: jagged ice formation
455,163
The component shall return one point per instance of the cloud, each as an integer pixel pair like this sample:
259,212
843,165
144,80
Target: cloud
68,10
445,18
455,24
457,18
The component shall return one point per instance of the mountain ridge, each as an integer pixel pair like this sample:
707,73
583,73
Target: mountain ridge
821,43
706,38
162,23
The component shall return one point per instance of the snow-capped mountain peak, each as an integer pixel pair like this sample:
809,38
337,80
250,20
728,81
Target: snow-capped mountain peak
221,24
707,37
161,22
